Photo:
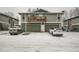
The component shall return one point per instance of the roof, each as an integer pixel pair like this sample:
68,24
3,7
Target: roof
72,18
40,11
8,16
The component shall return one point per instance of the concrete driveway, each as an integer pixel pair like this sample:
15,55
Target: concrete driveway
40,42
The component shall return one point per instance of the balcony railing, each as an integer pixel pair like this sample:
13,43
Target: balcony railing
37,19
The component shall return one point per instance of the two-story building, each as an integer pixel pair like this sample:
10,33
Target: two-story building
7,21
40,20
72,23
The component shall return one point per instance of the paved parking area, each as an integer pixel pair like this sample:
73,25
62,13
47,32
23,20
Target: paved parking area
40,42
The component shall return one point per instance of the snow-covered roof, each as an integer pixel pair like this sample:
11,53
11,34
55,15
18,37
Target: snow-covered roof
8,16
41,11
71,18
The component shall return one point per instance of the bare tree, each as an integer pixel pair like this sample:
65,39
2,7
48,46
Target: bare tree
71,13
65,16
74,12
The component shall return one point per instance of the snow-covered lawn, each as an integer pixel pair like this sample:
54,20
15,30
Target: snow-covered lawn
40,42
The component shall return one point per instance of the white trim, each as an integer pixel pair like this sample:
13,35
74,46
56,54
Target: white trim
25,28
53,22
41,22
65,25
4,22
76,24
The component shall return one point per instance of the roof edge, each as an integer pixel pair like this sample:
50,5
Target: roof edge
8,16
71,18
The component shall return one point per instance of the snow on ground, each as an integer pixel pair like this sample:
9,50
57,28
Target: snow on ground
39,42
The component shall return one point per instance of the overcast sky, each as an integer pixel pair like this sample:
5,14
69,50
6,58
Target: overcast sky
16,10
24,9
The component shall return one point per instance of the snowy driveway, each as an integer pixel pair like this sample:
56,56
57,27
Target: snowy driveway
40,42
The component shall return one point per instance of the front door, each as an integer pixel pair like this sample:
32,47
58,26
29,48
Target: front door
42,27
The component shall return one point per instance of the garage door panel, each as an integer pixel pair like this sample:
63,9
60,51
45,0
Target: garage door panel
31,27
50,25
